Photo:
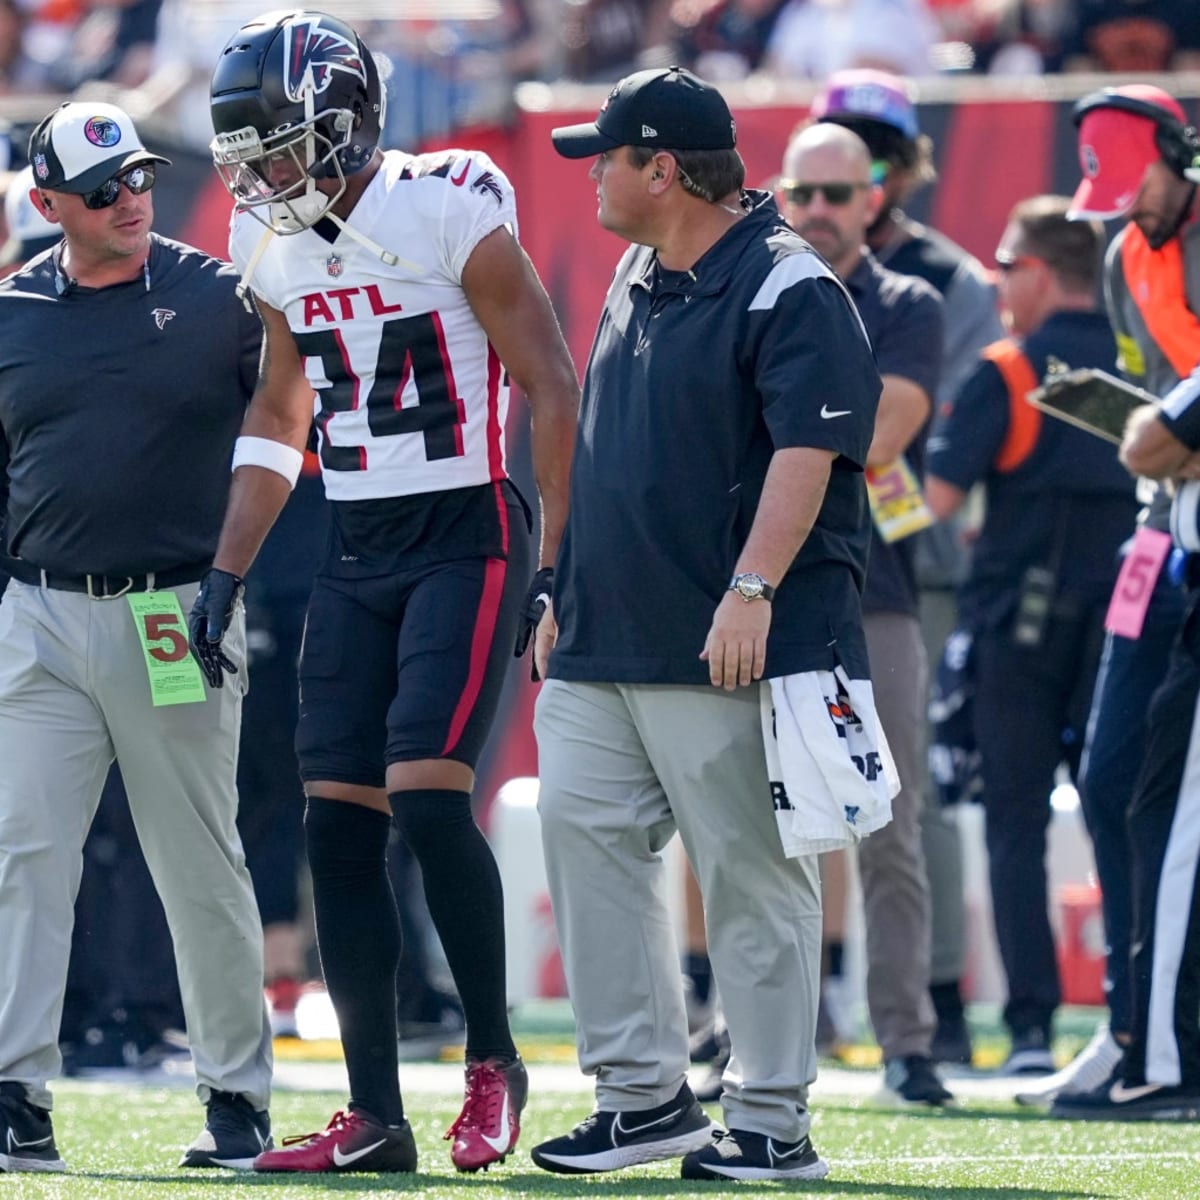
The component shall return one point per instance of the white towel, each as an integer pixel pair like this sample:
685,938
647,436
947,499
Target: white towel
832,773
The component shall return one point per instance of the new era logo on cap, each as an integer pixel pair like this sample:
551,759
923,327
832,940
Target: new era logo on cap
80,145
667,107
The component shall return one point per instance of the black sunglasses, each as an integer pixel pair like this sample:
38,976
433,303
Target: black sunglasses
834,193
137,179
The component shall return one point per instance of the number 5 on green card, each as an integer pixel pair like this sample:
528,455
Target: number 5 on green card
174,674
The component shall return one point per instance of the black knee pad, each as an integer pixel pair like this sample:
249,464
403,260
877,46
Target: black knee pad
427,815
344,838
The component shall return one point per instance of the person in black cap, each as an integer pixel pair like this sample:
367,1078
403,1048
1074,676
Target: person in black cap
716,538
135,352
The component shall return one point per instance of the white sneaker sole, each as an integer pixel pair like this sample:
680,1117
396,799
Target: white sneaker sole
14,1164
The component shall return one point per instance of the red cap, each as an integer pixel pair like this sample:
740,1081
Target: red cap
1115,148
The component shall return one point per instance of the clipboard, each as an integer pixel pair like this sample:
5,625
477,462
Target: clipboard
1090,399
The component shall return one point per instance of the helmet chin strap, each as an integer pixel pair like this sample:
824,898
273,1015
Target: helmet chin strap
392,260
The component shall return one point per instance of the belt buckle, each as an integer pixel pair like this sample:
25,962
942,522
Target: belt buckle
107,595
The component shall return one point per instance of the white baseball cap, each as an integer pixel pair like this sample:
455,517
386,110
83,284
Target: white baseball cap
29,233
81,145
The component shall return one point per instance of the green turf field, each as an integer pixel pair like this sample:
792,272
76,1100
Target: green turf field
122,1143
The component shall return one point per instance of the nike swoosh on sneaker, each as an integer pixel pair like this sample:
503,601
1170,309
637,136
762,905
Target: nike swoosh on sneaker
633,1130
14,1143
774,1157
1120,1094
500,1142
344,1160
827,414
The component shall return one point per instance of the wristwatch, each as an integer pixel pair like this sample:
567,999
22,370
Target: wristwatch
750,586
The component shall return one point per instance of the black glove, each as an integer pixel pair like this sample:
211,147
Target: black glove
208,620
537,600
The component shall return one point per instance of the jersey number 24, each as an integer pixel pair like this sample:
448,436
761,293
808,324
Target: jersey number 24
409,347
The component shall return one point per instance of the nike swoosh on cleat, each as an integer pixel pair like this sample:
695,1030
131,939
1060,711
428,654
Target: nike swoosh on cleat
1120,1094
344,1160
461,178
500,1142
827,414
629,1131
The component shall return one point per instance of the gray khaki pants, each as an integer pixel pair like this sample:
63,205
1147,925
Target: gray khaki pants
891,862
622,767
73,694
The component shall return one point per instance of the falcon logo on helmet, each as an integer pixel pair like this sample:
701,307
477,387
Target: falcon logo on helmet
313,55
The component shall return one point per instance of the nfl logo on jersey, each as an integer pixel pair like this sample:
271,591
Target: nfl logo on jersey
333,264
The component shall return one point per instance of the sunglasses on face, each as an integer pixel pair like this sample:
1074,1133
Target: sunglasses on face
136,179
1006,262
834,193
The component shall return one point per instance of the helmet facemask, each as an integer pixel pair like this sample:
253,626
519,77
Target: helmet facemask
246,163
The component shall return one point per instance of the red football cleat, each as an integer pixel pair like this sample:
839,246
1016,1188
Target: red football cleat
350,1142
490,1122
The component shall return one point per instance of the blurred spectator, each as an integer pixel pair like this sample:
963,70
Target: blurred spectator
723,39
606,39
814,38
878,107
1125,36
114,41
270,796
29,233
1059,505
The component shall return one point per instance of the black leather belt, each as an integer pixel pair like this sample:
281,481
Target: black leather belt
104,587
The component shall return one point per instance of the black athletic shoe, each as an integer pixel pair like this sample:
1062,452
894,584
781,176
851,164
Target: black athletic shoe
951,1040
912,1080
1116,1100
607,1141
738,1154
234,1135
26,1135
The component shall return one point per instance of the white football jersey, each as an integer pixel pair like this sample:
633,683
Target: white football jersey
409,395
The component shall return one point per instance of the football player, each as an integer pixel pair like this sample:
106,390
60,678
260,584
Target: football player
395,299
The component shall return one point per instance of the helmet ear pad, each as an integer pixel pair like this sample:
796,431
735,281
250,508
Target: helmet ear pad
1178,144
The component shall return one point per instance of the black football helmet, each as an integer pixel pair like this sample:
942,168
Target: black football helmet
296,98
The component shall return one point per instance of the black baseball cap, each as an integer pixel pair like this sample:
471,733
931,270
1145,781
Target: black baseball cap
81,145
668,107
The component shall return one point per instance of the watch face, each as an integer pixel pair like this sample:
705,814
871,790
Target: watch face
750,587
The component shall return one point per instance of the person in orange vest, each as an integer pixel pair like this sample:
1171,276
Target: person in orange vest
1058,506
1141,160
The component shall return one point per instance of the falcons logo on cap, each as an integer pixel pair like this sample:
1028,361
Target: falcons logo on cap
313,54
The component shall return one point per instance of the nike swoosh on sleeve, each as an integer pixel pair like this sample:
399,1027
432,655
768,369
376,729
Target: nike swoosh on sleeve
461,178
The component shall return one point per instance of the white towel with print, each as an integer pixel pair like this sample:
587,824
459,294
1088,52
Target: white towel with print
832,773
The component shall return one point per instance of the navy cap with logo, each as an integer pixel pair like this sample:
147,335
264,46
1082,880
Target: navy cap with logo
81,145
668,108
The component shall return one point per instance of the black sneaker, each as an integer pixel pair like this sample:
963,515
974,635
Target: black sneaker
26,1135
951,1040
710,1082
738,1154
1029,1054
1116,1100
607,1141
912,1080
234,1135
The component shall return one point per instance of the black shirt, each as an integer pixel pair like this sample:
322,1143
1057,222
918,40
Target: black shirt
1067,507
903,317
694,380
119,407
